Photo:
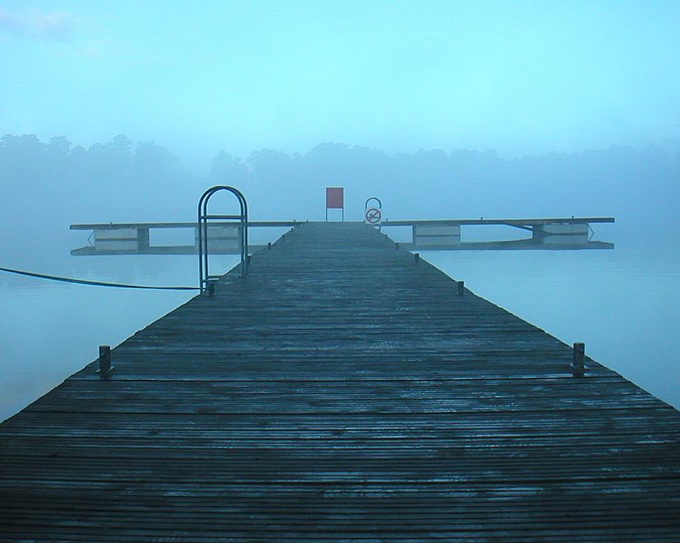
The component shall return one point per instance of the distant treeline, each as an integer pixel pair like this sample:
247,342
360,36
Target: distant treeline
48,185
39,171
639,187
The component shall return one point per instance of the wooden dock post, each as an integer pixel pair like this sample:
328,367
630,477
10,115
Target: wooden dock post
578,366
105,367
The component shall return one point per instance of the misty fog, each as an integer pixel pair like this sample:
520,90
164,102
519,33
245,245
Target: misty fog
49,185
125,112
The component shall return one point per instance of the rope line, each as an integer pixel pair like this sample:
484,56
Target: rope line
91,283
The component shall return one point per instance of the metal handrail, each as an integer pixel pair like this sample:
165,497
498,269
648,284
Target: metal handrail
204,276
373,198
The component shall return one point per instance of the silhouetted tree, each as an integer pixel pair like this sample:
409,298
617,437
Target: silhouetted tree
271,167
152,163
228,170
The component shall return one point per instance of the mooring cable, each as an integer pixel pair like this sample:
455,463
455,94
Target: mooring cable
91,283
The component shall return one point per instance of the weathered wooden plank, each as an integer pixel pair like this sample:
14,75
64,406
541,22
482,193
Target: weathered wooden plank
341,392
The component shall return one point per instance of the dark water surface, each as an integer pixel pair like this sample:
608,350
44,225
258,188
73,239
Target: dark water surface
625,305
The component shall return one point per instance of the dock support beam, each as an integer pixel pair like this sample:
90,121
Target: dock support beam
143,240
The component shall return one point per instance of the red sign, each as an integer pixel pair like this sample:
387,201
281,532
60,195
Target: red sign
335,198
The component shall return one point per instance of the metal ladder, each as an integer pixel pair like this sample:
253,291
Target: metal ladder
204,218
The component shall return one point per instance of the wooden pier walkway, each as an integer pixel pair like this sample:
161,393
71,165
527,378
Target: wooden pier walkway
341,392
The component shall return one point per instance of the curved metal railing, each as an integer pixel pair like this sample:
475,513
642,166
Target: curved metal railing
204,218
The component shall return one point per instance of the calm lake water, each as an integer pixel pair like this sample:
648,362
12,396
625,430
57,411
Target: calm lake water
623,304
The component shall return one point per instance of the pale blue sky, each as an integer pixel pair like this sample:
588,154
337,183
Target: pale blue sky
515,76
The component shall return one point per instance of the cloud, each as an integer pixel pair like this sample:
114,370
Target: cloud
34,23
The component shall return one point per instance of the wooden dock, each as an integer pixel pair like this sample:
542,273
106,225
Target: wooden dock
115,239
341,391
